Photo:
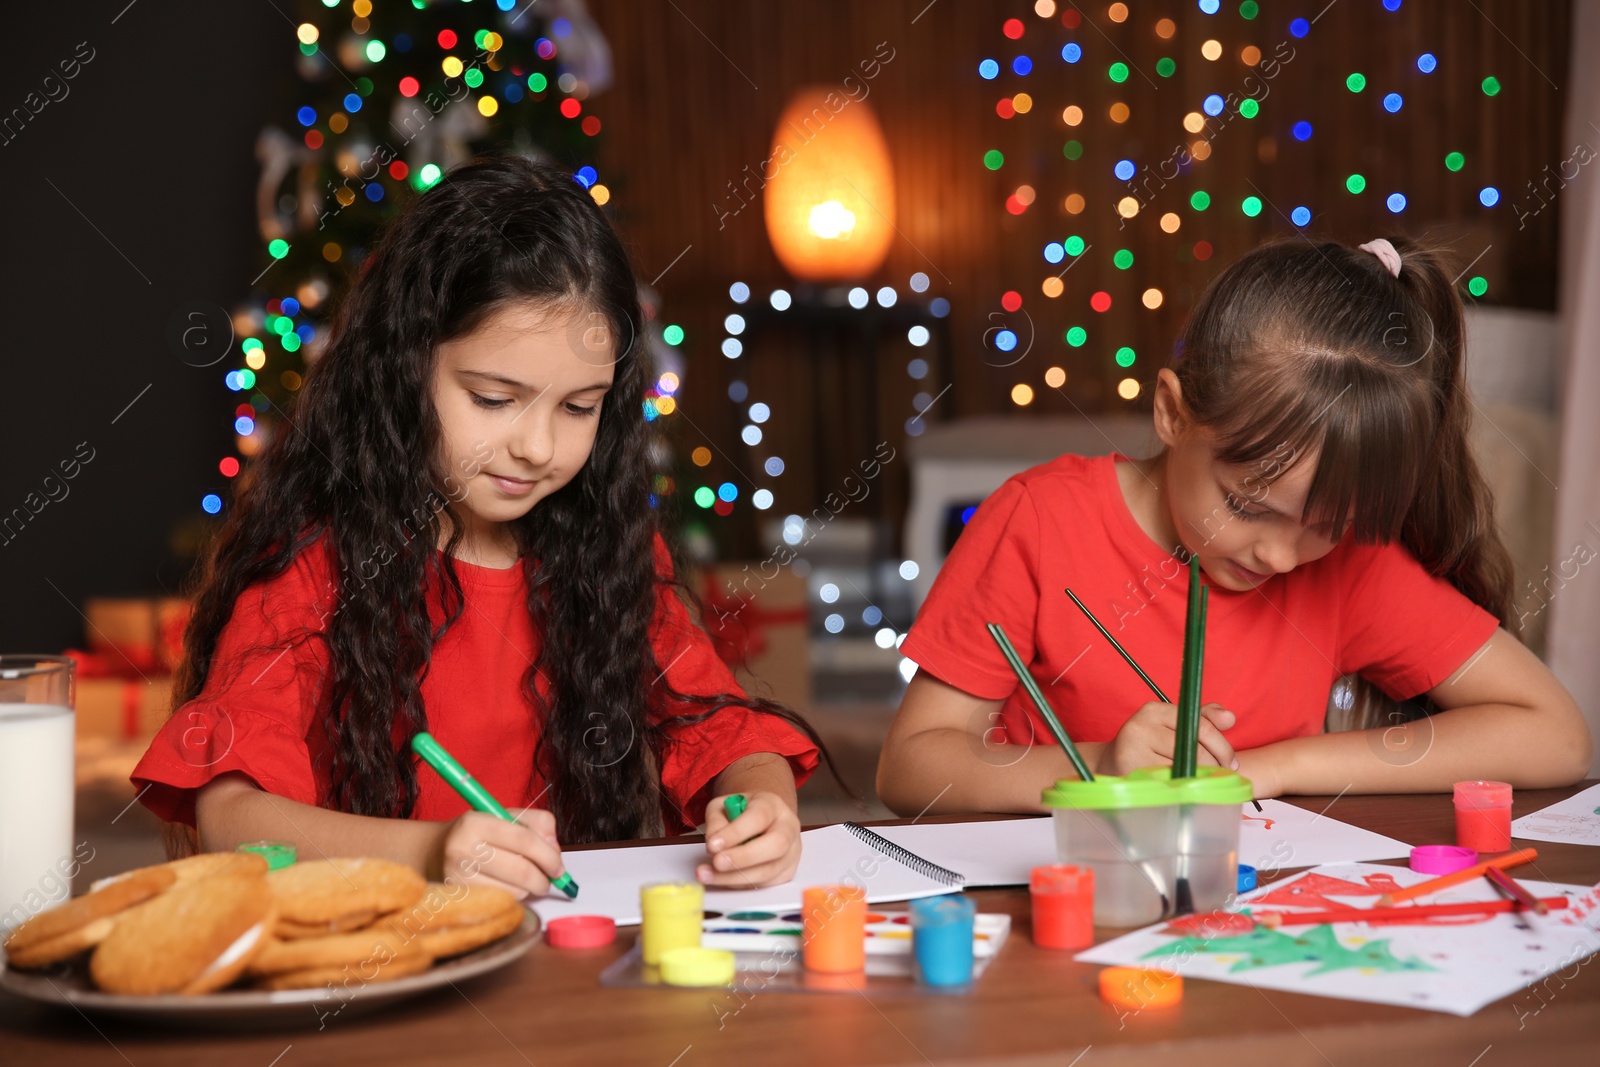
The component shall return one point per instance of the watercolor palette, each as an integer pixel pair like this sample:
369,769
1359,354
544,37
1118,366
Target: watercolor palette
766,948
888,932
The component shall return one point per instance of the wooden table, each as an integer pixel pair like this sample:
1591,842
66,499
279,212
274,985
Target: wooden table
1032,1007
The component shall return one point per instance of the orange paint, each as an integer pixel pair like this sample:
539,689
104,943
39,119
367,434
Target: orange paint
836,928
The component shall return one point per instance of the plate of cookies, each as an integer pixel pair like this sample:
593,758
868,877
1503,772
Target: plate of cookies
218,939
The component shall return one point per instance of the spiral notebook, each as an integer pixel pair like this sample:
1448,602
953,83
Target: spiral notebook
609,879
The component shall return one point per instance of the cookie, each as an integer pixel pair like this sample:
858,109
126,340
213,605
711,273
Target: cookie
83,922
446,905
374,946
289,930
193,938
200,865
333,890
409,962
454,940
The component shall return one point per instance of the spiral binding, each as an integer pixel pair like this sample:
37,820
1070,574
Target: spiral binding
905,857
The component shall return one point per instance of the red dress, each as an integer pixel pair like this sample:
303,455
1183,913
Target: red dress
1272,653
258,713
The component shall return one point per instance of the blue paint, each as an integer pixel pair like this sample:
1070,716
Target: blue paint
941,939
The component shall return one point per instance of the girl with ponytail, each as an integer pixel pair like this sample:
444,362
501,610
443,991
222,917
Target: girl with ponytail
1315,423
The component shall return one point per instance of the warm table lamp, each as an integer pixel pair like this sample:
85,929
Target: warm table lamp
830,205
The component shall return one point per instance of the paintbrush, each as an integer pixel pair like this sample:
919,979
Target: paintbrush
1156,689
1048,713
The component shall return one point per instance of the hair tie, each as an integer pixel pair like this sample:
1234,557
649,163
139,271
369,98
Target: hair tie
1385,253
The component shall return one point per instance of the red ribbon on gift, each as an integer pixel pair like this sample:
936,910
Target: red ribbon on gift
170,638
132,696
738,625
130,662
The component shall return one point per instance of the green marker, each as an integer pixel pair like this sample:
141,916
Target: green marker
734,806
473,793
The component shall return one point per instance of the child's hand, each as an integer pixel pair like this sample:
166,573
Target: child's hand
520,857
737,861
1150,736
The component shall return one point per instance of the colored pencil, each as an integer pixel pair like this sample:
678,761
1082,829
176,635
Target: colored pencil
1467,874
1037,696
1383,914
1510,885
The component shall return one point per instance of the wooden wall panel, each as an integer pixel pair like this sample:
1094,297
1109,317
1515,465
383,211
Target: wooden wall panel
699,84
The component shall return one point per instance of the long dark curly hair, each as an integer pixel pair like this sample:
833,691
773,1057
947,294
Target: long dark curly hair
358,459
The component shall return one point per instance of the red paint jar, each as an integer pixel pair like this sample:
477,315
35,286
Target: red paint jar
1063,906
1483,816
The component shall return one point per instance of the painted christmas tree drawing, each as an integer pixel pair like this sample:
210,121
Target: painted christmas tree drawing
1264,947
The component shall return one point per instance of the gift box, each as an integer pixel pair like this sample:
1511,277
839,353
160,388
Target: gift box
122,709
137,636
123,681
759,626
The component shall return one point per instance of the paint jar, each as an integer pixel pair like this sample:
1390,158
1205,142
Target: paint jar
941,939
1483,816
835,928
1063,906
671,918
1158,846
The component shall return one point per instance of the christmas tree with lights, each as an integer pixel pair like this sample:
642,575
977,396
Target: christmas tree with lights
388,96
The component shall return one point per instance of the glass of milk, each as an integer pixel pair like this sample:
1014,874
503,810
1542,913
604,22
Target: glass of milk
36,785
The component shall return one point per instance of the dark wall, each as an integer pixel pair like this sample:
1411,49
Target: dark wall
124,201
701,83
130,201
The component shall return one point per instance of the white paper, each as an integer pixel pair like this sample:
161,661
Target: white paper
1454,964
990,852
609,879
1575,820
1281,836
994,852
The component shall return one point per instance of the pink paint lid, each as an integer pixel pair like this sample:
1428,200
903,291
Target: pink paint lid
1442,859
580,931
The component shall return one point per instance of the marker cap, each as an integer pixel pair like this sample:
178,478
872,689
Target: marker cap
278,854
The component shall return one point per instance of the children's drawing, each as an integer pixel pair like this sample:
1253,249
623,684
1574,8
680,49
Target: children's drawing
1261,947
1437,964
1312,890
1575,820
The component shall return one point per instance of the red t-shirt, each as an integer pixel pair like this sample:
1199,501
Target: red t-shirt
1272,653
259,711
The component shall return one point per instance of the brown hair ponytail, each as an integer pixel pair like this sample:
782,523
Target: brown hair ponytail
1319,347
1451,527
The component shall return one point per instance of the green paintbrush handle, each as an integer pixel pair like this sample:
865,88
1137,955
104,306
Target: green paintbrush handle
1186,731
1037,696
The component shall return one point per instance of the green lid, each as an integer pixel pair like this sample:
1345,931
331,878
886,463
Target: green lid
1149,787
278,854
